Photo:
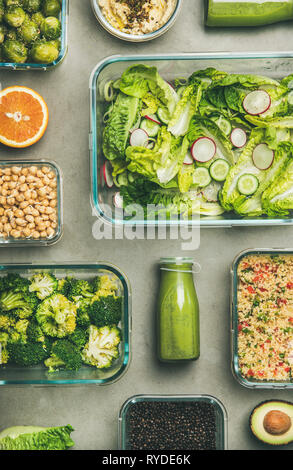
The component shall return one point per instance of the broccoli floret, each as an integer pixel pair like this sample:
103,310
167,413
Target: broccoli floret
105,311
76,288
15,282
4,356
56,315
21,304
64,355
35,333
96,283
79,337
26,354
43,284
6,322
104,286
103,347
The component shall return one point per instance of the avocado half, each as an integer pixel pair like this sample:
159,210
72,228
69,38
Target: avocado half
272,422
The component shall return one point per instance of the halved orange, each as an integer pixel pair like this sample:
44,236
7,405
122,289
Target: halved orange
23,116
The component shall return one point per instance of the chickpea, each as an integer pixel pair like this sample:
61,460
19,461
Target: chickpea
46,180
14,178
30,179
41,227
11,201
2,200
16,170
23,187
45,217
5,186
27,195
20,198
23,204
34,194
18,213
26,232
22,179
15,233
42,209
4,219
47,223
51,174
45,170
4,192
45,202
35,212
42,192
36,235
50,231
54,225
13,223
1,211
24,171
39,184
7,228
31,226
53,184
33,170
29,218
6,178
52,195
21,222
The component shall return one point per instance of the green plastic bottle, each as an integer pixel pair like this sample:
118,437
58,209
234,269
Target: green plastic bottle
178,312
247,12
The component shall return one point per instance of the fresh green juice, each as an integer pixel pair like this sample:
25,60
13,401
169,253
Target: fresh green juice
247,12
178,313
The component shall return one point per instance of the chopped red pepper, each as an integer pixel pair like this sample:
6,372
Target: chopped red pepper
287,369
250,289
289,285
250,373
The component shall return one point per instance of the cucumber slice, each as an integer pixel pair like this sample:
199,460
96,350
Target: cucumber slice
219,169
201,177
151,127
163,115
247,184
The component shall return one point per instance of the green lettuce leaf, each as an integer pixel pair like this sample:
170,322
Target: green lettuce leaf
185,109
36,438
277,200
139,80
122,118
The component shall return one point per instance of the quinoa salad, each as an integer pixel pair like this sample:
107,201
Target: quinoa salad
265,317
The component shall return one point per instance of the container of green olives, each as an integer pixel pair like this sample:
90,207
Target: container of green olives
33,34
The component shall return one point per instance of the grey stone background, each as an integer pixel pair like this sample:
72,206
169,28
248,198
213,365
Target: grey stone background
93,410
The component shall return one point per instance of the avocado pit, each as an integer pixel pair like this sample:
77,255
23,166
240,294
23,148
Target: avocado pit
277,422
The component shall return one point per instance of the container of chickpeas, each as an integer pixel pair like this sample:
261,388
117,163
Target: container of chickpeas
30,203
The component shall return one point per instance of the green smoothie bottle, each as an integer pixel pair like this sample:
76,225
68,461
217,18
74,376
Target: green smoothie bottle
247,12
178,312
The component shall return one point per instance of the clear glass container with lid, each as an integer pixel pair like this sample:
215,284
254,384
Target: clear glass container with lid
177,311
127,432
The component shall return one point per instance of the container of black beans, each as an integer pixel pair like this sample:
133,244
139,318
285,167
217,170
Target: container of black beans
173,422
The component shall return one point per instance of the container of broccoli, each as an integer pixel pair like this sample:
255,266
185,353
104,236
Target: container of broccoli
63,324
33,33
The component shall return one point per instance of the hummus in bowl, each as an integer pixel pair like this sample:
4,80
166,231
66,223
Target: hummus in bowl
136,19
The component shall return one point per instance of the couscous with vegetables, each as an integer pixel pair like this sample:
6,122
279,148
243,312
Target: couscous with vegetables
265,317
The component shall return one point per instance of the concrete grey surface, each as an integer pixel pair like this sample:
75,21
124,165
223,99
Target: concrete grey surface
92,410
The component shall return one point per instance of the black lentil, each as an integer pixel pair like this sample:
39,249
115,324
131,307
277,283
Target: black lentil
162,425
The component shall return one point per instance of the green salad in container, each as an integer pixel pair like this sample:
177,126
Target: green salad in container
208,144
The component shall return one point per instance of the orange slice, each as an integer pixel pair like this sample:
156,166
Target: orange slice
23,116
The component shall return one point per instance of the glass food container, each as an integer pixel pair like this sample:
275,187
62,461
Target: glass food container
63,49
170,66
252,383
221,417
14,242
38,375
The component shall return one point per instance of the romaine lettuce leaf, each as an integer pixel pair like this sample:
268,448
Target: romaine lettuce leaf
36,438
185,109
277,200
122,118
139,80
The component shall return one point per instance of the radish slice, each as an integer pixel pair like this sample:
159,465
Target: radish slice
263,156
203,149
139,138
153,119
107,172
257,102
238,137
188,160
118,200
